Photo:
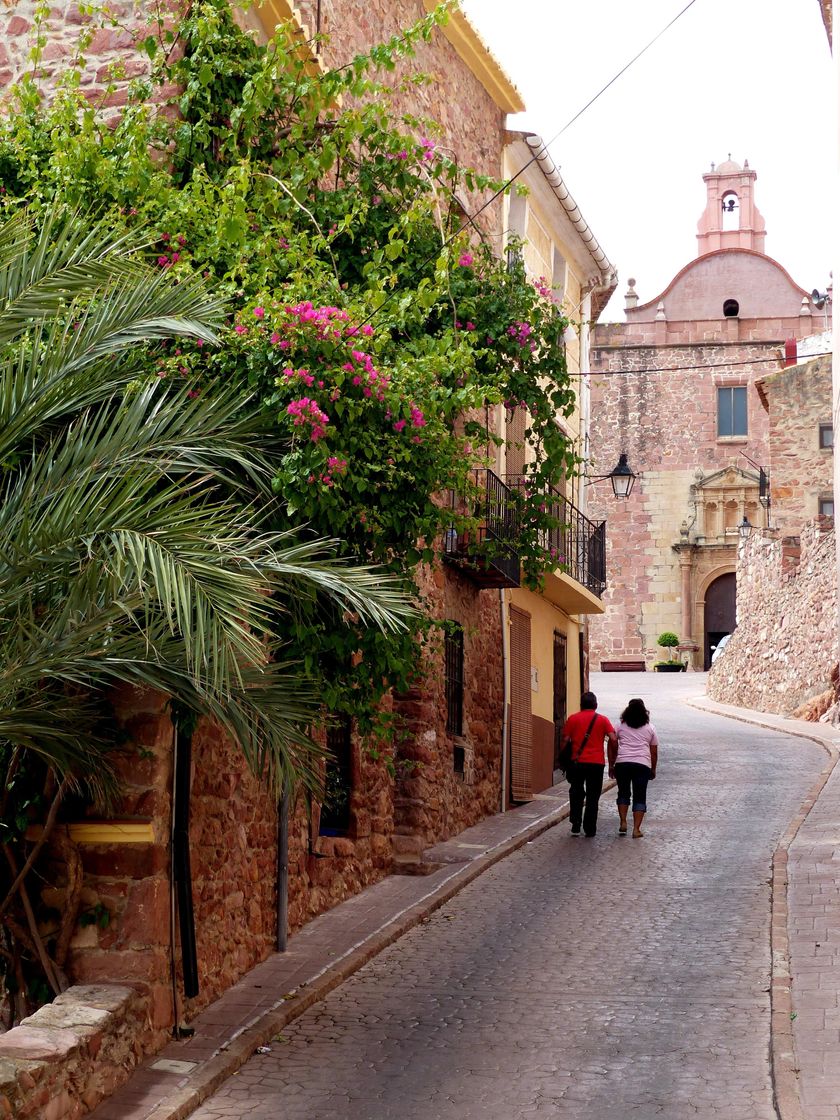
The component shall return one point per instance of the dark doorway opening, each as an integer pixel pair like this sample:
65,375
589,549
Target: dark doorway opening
719,615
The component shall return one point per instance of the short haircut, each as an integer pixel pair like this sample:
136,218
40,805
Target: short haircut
588,702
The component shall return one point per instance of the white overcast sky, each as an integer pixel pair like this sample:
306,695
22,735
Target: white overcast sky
748,77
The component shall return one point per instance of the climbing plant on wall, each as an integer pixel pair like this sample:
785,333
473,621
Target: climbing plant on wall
379,338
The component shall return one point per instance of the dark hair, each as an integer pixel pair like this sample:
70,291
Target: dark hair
635,714
588,702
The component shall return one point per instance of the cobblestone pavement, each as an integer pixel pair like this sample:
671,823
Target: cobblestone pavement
579,979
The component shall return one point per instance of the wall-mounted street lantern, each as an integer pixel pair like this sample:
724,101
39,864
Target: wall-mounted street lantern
745,528
621,478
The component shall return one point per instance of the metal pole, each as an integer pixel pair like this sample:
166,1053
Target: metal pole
283,871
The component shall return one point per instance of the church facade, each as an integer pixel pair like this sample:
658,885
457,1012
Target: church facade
675,388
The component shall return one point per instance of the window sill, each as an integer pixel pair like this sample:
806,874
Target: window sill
733,439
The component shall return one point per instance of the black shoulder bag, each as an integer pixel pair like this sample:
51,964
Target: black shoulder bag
566,758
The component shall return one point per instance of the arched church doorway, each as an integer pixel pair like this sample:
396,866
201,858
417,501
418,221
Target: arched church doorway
719,614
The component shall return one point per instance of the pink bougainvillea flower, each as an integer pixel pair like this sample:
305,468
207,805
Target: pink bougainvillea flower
163,261
259,312
465,260
240,329
470,326
399,425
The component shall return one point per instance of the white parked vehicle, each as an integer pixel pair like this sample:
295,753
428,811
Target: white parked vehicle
720,647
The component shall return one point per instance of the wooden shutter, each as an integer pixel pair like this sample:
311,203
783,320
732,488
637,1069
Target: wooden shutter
559,684
520,705
515,449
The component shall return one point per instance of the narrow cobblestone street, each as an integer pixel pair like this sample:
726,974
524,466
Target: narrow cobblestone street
579,978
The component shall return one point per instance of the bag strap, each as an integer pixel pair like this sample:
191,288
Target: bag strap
585,739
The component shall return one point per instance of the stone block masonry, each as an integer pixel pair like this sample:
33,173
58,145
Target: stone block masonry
63,1060
784,648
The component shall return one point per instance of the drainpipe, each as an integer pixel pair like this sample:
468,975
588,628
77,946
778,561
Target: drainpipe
181,872
505,698
283,871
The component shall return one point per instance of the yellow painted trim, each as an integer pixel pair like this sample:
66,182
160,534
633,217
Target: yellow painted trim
569,595
475,52
270,13
112,832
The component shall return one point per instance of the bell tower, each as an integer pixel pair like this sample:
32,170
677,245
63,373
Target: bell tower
731,219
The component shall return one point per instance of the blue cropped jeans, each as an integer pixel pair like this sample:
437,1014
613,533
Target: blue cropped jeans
632,776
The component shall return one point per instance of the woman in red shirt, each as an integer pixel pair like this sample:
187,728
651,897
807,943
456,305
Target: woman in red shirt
586,730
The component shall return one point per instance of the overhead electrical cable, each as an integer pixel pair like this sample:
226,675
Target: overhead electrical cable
509,182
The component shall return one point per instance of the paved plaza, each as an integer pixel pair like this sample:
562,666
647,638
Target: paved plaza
586,978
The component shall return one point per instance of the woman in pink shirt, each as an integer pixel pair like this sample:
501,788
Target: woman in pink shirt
633,764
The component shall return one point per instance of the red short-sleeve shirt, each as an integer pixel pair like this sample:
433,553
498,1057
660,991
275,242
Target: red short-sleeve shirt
575,728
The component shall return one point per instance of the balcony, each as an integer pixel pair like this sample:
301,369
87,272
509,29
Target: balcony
487,554
579,547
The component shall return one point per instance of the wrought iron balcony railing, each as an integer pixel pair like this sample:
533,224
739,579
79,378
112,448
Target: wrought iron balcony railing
578,544
487,555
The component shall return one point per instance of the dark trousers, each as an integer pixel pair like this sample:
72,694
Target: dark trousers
586,780
632,776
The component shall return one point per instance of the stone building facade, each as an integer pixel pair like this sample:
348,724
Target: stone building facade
445,777
800,442
675,389
443,782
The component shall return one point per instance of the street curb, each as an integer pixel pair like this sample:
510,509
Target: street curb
783,1065
234,1054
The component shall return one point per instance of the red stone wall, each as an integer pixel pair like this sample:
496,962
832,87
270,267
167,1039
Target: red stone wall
785,646
131,881
433,801
798,401
233,850
109,45
473,125
233,846
324,870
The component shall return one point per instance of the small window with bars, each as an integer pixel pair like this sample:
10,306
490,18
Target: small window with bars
338,778
825,506
453,657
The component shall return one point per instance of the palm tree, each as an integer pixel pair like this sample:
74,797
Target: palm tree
132,539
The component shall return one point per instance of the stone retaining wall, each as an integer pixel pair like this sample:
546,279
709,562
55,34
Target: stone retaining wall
785,645
63,1060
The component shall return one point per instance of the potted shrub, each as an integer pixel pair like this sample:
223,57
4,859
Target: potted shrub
668,640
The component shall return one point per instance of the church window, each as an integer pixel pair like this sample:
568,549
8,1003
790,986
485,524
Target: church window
826,436
732,410
731,307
